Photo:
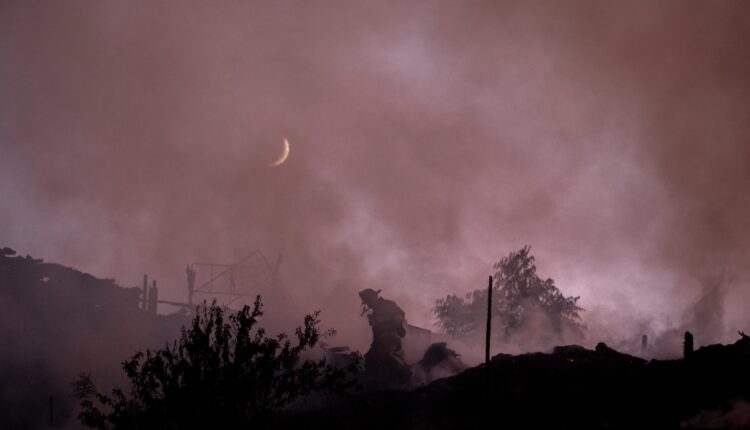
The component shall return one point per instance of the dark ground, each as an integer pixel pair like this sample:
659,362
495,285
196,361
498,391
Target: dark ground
572,387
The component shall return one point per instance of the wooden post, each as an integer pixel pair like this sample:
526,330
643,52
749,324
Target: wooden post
191,285
687,346
153,298
144,301
489,325
488,374
275,274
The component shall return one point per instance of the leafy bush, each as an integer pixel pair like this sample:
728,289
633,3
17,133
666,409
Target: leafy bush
222,373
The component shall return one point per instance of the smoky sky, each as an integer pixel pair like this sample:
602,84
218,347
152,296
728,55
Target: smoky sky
428,139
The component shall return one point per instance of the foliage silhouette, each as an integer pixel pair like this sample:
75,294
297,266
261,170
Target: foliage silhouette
224,372
519,295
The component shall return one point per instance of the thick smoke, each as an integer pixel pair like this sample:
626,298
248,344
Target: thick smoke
427,140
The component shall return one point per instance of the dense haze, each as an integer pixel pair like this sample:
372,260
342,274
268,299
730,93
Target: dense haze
427,140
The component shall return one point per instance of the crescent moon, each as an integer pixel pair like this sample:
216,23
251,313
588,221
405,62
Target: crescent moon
284,155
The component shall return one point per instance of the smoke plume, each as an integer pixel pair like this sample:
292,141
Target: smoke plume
427,140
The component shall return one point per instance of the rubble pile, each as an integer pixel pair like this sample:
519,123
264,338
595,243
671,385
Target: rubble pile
571,387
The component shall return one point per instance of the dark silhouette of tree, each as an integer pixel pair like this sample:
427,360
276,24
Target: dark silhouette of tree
519,295
462,316
224,372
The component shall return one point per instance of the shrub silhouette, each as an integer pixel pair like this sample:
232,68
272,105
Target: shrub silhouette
224,372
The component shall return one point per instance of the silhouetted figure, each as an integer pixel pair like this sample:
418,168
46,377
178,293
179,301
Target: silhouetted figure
191,284
644,345
384,362
687,346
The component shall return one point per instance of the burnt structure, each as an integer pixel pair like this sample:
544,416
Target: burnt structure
235,282
57,322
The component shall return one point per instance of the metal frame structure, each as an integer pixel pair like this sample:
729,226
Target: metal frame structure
245,278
